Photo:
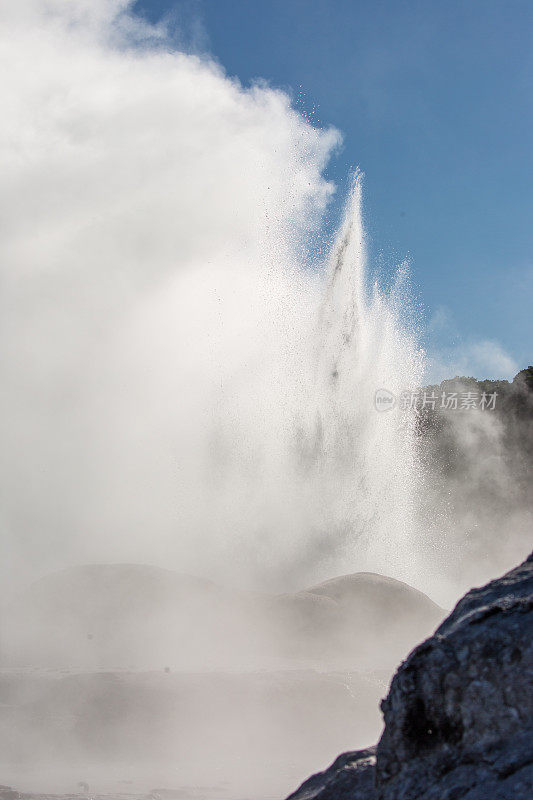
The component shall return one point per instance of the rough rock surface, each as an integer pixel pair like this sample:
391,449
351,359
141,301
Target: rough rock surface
459,713
351,776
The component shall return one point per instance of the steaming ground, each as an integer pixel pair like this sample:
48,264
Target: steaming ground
134,674
249,733
107,617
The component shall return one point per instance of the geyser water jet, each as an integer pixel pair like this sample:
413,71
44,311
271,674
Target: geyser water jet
369,463
334,476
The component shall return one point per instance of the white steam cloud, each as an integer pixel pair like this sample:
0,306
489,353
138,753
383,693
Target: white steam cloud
172,393
154,216
179,384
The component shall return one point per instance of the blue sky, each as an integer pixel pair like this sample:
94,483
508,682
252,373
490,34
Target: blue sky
434,103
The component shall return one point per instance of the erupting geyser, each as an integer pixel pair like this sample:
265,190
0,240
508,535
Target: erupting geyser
368,467
184,387
316,455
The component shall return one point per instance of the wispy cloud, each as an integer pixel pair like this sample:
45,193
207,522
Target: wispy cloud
485,359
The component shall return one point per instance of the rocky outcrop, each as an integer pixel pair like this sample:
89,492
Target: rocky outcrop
351,775
459,713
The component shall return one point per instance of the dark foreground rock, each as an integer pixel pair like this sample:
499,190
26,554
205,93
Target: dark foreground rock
459,713
351,775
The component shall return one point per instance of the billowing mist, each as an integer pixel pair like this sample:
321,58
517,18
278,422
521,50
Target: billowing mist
171,365
155,216
192,449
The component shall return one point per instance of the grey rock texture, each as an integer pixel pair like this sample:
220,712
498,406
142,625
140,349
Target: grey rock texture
351,775
459,713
